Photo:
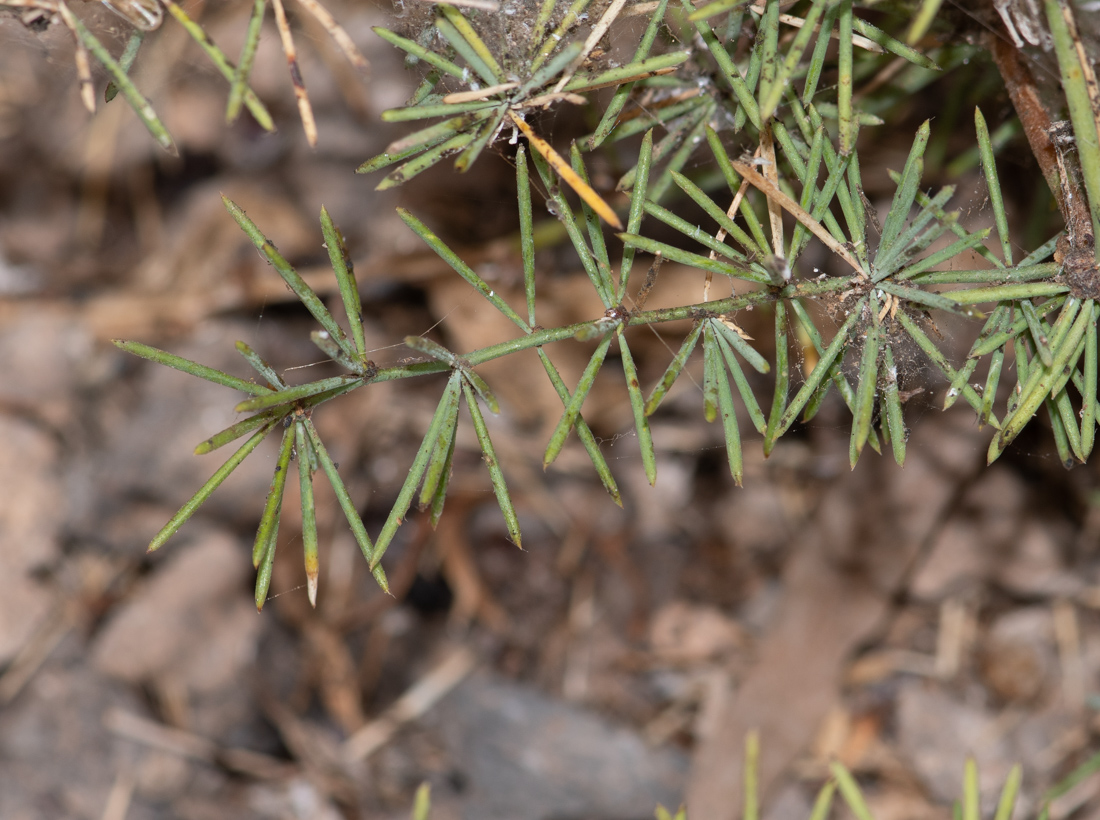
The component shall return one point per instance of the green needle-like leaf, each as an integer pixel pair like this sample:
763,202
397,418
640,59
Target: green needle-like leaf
1080,94
850,791
261,366
855,212
927,299
970,801
751,809
672,145
922,21
995,336
911,240
657,116
309,513
1009,793
719,215
824,801
907,190
592,223
808,174
133,97
637,208
735,340
412,481
615,106
685,139
439,499
717,398
961,377
573,407
989,167
458,32
355,522
484,54
1082,772
771,88
422,140
814,380
1019,273
730,72
743,388
293,394
263,576
844,83
422,802
1038,336
188,509
547,72
894,419
564,212
1023,369
1088,394
866,389
1067,345
717,7
268,530
239,83
439,462
125,62
424,345
482,389
591,446
526,230
422,53
702,237
1003,293
546,10
729,426
710,374
821,49
221,62
951,251
818,398
782,373
545,47
192,368
235,431
342,267
427,86
325,343
1061,406
460,267
767,46
423,162
428,111
1058,431
500,488
294,281
933,353
838,378
674,254
672,372
752,77
992,382
484,134
894,46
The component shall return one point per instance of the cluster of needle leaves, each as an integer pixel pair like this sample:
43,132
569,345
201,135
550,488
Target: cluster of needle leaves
146,16
780,88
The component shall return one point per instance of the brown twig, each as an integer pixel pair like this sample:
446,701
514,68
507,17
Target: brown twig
305,110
